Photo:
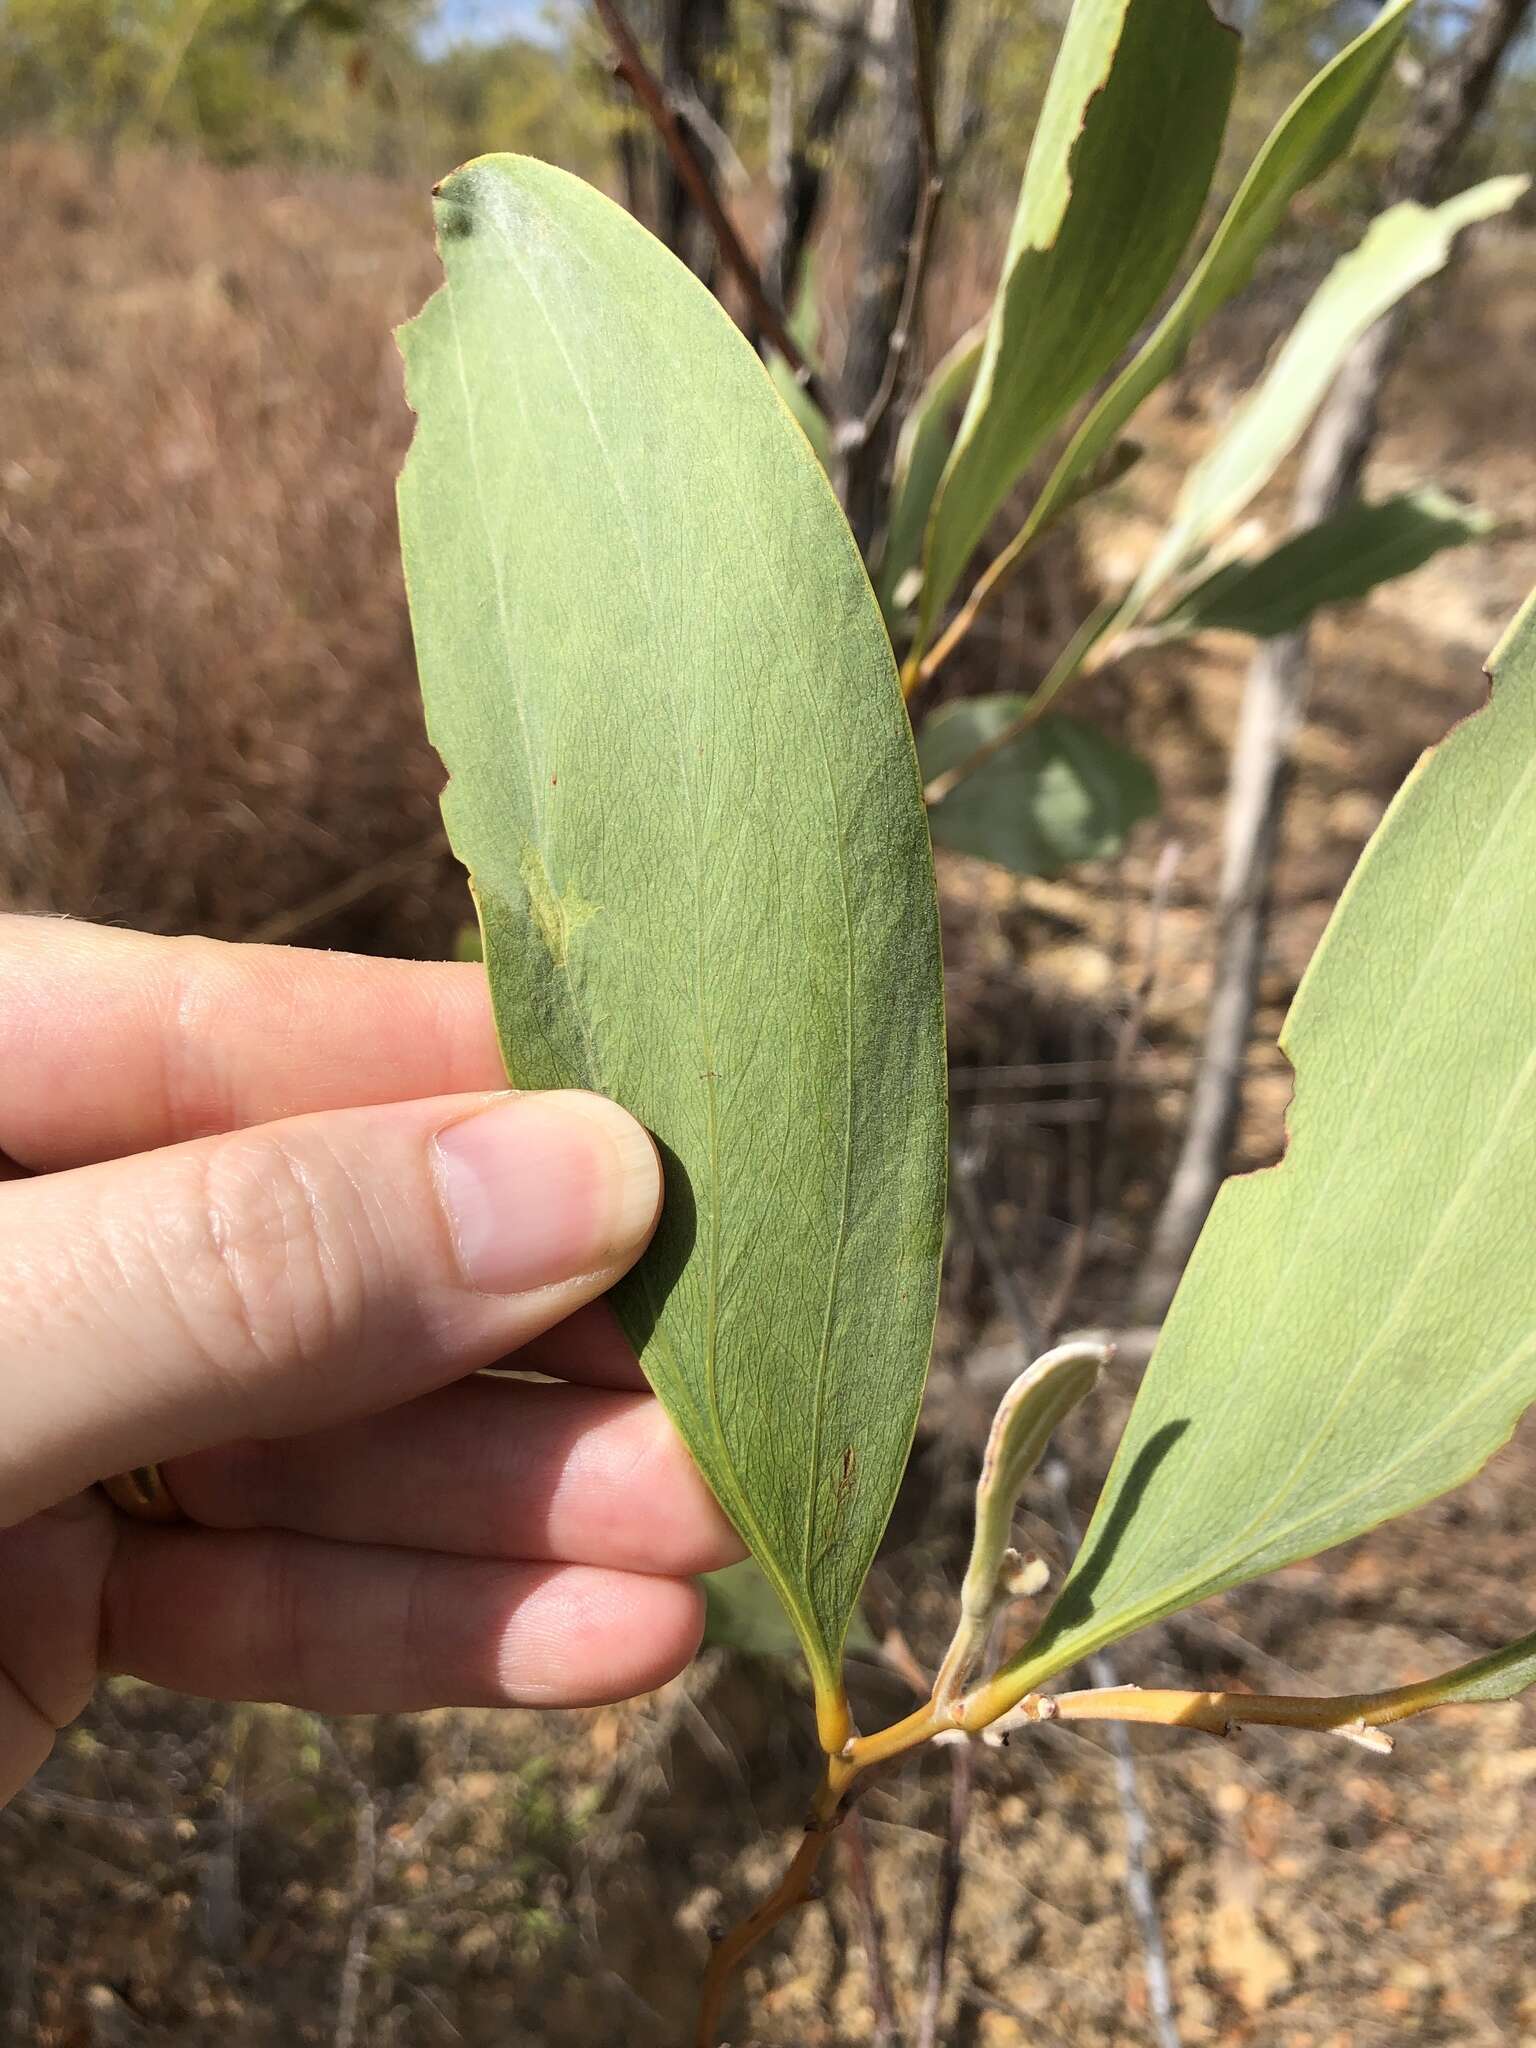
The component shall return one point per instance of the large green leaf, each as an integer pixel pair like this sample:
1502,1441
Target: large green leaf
1312,134
1060,793
1357,1329
682,780
1341,558
1117,174
1401,248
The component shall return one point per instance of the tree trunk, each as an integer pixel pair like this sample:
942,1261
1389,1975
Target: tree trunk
1455,90
799,161
694,36
890,216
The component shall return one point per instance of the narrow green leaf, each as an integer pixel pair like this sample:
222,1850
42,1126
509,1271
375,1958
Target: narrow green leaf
1312,134
1341,558
1357,1329
1062,792
1502,1676
1117,174
682,780
921,453
1402,247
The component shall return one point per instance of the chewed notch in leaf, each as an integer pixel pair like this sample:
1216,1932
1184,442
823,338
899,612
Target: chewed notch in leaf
1356,1332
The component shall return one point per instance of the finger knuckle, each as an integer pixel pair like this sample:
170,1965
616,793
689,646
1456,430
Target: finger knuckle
278,1272
279,1648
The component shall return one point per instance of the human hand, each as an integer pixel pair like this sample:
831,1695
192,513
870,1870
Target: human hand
264,1214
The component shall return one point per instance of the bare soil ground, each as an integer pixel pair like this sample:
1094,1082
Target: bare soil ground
207,721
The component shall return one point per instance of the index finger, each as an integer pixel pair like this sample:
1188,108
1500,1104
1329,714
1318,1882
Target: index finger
112,1042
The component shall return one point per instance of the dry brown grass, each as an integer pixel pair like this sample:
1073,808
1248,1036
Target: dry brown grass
208,715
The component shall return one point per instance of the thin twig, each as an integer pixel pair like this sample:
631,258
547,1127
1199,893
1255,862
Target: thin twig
1139,1893
792,1889
365,1878
871,1933
769,318
1083,652
1054,1477
897,1655
23,2009
1127,1039
287,924
924,663
951,1869
728,165
856,433
1005,1286
1138,1878
952,1863
843,28
349,1994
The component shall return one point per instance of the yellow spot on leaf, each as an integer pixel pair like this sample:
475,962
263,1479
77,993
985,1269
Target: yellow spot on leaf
555,917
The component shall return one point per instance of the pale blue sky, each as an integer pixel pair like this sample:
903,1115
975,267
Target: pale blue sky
487,21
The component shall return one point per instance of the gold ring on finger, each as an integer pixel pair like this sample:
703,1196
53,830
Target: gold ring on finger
144,1494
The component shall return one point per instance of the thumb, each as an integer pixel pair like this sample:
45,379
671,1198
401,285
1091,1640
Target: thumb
300,1273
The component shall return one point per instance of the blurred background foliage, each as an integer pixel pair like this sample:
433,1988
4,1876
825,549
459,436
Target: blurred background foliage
413,86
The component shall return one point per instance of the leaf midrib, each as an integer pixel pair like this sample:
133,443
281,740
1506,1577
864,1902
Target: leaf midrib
751,1529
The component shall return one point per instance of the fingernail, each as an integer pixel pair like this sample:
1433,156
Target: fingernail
544,1188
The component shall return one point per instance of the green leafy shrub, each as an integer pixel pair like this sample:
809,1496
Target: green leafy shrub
683,780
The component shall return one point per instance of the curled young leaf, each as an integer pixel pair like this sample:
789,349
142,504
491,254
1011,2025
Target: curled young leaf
1033,1408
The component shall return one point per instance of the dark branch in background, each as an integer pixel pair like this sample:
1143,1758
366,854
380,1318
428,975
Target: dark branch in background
631,177
691,108
800,162
951,1869
896,197
781,155
693,37
930,191
1455,90
871,1934
637,75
